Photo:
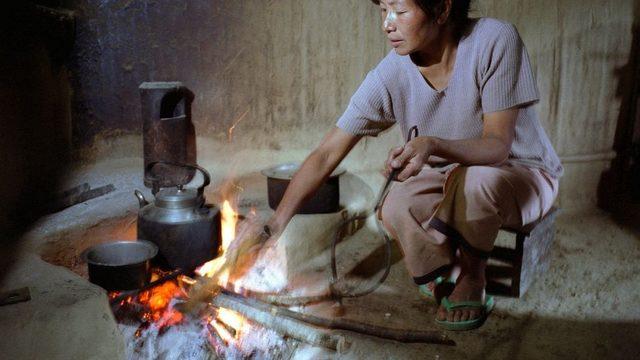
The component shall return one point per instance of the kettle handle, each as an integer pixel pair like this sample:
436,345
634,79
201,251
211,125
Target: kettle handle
205,174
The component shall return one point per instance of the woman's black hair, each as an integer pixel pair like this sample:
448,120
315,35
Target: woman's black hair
458,15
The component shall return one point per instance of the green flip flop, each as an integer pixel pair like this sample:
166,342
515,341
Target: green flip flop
424,289
449,305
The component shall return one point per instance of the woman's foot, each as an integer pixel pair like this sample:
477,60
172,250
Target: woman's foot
469,287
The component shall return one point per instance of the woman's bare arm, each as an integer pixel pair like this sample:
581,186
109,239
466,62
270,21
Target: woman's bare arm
314,171
492,148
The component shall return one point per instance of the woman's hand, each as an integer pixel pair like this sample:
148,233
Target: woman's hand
254,233
492,147
410,158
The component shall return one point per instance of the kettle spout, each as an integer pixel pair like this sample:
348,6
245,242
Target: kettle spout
141,200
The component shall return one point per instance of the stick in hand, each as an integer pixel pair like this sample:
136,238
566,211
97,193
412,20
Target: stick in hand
218,270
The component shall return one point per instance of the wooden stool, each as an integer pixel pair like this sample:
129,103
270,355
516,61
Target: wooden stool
525,261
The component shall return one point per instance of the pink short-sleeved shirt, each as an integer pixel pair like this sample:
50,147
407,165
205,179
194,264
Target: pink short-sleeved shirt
491,73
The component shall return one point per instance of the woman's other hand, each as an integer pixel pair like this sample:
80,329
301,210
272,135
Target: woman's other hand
253,233
410,158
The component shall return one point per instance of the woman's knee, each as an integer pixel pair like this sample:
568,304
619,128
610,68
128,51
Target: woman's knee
487,182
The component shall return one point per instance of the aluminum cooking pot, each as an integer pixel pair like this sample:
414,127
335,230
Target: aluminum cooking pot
186,230
120,265
325,200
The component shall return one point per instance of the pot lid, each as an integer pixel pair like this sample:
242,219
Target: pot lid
178,198
286,171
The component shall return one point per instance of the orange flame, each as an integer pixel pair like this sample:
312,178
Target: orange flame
225,319
228,325
228,224
229,219
210,268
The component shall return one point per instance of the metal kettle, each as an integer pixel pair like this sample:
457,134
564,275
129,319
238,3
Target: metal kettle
185,229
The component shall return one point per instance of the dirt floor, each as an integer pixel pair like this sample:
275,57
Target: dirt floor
585,306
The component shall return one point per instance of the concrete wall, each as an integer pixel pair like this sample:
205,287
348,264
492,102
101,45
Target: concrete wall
279,73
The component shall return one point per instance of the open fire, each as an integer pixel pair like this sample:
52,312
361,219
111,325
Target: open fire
154,315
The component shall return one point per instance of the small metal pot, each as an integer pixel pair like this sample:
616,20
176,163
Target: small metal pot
120,265
325,200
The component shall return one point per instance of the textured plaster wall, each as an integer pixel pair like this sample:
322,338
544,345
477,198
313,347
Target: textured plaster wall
277,66
579,50
279,73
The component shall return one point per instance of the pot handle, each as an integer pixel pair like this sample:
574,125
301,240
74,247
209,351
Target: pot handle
205,174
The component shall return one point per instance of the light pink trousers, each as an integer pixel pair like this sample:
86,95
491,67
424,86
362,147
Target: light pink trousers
442,209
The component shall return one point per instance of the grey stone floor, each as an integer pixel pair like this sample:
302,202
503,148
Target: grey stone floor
586,306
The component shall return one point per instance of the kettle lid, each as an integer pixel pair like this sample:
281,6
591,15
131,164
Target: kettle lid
178,198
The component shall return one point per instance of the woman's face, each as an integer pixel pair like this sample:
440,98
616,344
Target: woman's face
407,27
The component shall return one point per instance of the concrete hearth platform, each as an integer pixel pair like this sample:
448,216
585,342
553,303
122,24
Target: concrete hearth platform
66,318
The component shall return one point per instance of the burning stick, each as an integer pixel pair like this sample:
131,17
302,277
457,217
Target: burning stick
217,271
125,294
